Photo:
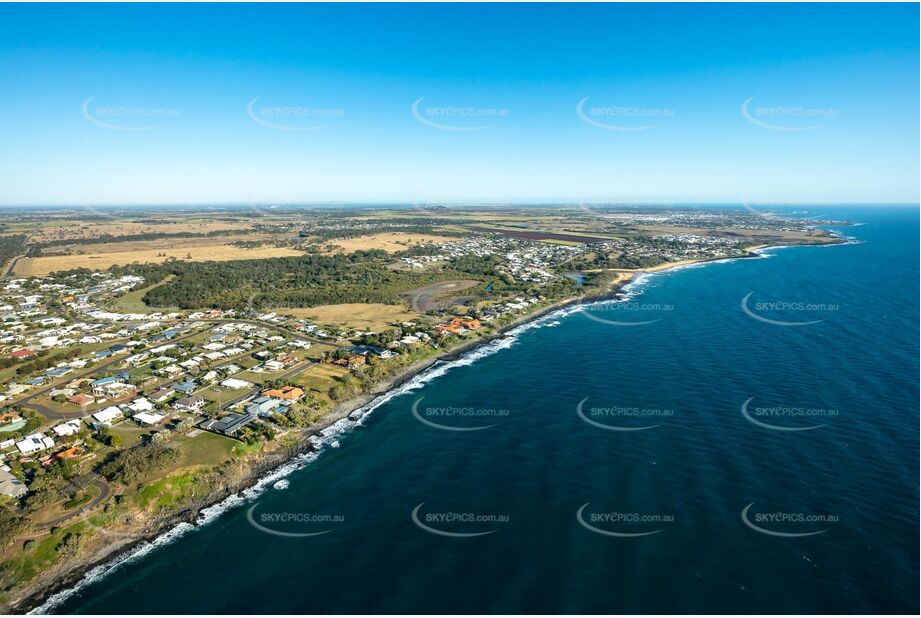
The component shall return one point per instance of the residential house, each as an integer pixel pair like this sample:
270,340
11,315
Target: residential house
141,404
235,383
192,403
228,425
163,394
148,418
287,393
68,453
265,406
81,399
67,428
109,415
186,387
34,443
11,486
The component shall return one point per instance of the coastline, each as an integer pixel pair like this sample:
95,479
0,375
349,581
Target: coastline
261,472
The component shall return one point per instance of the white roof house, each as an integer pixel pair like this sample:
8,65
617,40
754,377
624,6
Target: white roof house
108,415
33,443
141,404
274,365
235,383
68,428
148,418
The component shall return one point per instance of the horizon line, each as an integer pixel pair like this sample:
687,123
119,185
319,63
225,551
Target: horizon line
444,203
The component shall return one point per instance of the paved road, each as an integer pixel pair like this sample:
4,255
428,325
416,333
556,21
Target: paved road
9,269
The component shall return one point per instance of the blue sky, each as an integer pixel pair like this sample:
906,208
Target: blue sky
160,104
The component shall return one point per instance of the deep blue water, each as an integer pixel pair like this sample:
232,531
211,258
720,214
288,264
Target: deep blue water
695,472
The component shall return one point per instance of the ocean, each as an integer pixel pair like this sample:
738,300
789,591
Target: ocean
740,436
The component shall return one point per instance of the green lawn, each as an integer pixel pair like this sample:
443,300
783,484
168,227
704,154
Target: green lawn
132,303
170,491
259,378
128,433
204,449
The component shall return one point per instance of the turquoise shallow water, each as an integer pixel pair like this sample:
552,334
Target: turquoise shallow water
688,479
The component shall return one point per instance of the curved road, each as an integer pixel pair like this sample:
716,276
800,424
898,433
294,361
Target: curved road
104,492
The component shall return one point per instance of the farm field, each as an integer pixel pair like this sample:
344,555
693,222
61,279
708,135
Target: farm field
391,242
374,316
41,266
63,229
159,244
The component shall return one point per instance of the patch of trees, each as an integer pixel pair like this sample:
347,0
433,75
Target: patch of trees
297,281
11,526
301,414
11,246
256,431
131,465
70,545
44,490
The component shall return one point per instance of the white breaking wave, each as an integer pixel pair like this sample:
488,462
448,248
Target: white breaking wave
102,570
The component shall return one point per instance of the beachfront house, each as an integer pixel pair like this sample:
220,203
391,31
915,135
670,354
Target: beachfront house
227,425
